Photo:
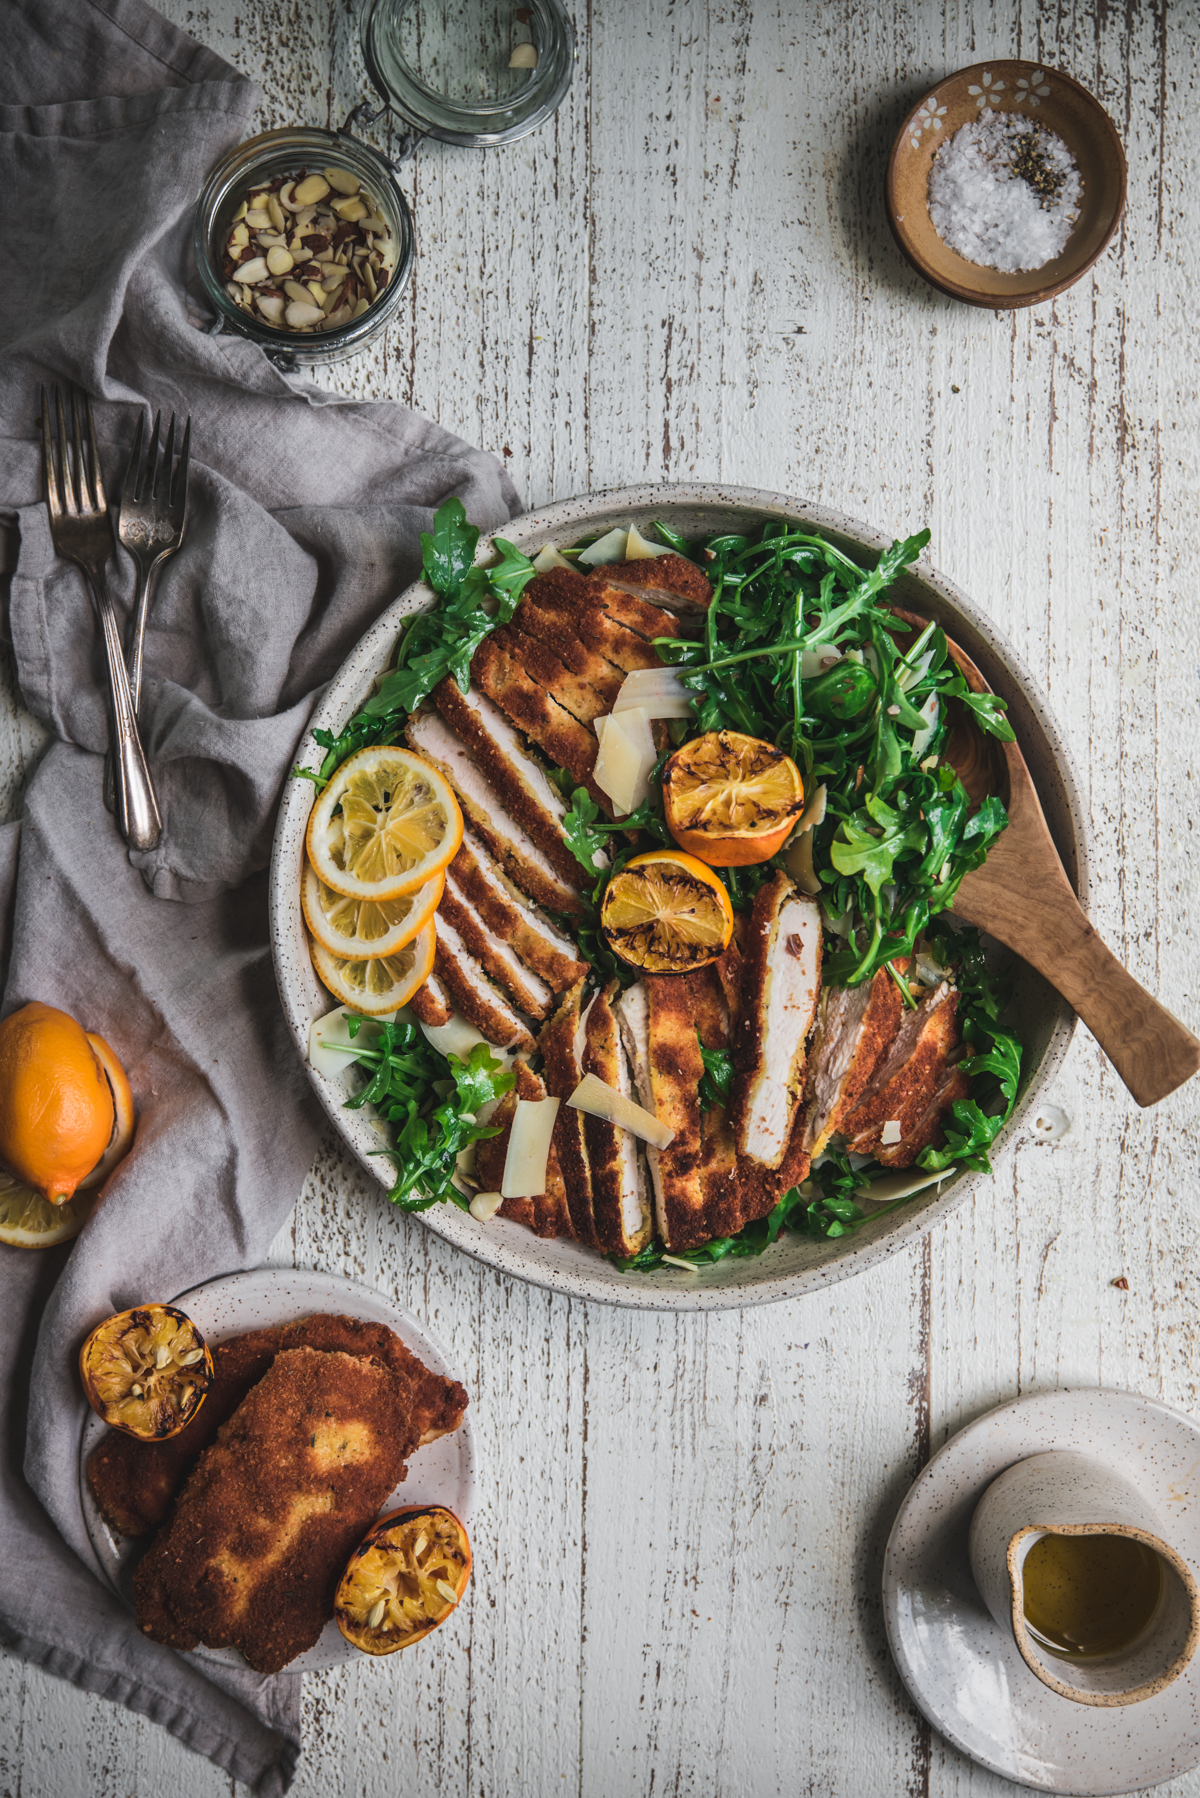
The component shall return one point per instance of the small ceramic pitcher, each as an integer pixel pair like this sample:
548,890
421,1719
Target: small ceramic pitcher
1066,1494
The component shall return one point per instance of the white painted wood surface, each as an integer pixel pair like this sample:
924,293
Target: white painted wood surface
688,273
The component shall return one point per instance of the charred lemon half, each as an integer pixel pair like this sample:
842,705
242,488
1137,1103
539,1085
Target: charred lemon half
404,1578
146,1371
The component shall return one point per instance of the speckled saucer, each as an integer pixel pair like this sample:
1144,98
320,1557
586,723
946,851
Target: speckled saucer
965,1673
440,1473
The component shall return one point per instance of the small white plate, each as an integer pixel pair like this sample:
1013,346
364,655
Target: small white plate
441,1473
965,1674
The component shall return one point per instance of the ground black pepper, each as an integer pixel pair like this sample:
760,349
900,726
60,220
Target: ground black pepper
1030,164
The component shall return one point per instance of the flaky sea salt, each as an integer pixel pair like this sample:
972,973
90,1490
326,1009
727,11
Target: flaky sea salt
1005,192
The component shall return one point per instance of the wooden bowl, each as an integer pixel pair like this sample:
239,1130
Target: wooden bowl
1055,100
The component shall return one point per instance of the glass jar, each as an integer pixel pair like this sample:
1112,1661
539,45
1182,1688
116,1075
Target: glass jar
255,163
445,69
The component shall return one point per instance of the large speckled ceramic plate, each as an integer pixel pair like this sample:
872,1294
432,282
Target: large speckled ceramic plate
441,1473
965,1672
793,1265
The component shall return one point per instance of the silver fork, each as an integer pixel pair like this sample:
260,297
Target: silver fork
82,533
150,525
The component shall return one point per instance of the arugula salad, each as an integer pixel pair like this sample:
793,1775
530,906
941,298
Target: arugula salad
800,647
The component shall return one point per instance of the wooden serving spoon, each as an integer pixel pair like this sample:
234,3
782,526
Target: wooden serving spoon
1023,898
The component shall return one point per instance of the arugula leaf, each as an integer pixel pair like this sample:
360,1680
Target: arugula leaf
716,1078
448,550
585,838
404,1073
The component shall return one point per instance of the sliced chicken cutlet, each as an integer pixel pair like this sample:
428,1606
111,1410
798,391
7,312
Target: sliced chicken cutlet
498,959
512,918
620,1201
663,1020
262,1529
670,580
562,1043
558,632
565,594
473,994
530,697
626,608
856,1027
528,866
134,1483
530,796
548,1214
431,1003
929,1130
781,988
903,1085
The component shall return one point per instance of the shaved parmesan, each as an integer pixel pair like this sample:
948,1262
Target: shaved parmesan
459,1038
627,754
908,677
600,1100
890,1187
659,692
328,1040
890,1134
816,661
922,737
485,1205
549,558
799,863
524,1174
637,549
610,548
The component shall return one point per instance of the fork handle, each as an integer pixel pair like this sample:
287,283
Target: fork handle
138,816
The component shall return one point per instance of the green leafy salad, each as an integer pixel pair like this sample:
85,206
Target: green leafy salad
798,647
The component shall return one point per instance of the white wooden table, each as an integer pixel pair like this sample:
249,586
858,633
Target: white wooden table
687,273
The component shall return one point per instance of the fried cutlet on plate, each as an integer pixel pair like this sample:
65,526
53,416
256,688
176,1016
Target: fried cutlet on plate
271,1512
134,1483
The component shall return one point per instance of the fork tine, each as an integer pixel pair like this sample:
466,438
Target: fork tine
162,474
179,483
129,490
96,495
83,498
70,502
150,468
53,496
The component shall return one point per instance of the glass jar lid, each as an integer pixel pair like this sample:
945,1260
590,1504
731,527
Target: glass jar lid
473,72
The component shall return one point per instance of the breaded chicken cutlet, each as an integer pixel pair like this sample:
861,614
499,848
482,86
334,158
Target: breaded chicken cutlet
262,1530
134,1482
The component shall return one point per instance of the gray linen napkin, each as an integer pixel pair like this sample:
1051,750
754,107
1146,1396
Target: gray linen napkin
303,522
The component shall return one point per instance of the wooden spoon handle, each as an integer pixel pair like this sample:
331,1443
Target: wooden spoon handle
1151,1050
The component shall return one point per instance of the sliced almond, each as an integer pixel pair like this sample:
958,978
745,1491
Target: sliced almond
280,262
342,179
254,270
276,212
303,313
257,220
351,210
271,306
311,189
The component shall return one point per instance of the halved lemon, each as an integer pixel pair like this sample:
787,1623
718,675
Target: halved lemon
731,799
364,928
146,1371
404,1578
122,1136
386,823
381,983
28,1221
666,913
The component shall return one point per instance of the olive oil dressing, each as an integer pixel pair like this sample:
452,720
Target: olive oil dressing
1091,1595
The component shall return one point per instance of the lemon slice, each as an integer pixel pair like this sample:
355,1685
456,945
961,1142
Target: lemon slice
404,1580
386,823
364,928
28,1221
382,983
667,913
